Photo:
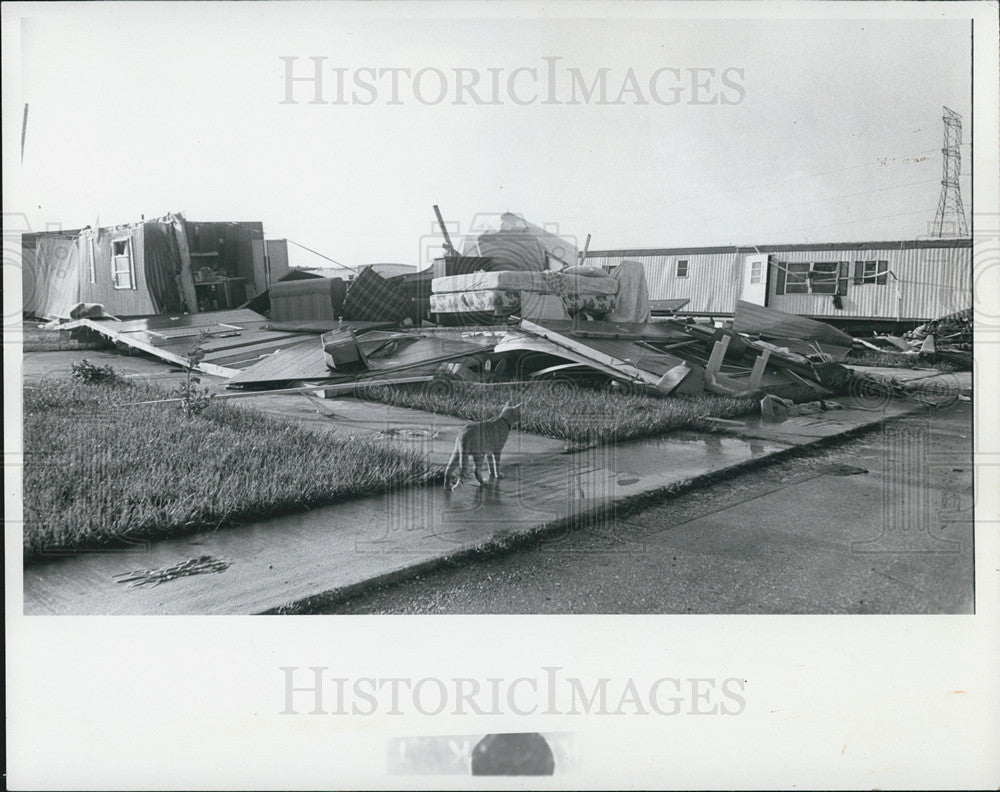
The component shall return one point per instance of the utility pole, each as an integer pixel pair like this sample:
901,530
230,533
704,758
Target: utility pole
950,217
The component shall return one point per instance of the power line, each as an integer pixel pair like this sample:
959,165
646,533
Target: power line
820,200
714,195
858,220
322,256
879,161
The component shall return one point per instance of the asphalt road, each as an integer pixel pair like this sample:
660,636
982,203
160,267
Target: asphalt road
876,524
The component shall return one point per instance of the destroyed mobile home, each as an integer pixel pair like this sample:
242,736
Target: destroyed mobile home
517,304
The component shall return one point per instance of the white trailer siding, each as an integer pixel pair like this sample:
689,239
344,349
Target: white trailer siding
712,281
921,284
924,279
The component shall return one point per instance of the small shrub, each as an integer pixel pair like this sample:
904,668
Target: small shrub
194,399
85,371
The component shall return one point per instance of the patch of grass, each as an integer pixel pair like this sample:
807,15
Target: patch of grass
870,357
35,339
572,412
100,472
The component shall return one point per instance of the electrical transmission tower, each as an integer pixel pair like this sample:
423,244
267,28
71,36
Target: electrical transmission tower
950,217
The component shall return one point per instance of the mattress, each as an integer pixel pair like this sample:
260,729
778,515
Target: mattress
527,304
535,305
494,300
542,282
591,303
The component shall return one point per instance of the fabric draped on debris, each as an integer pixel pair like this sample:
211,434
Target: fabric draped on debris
519,245
51,278
632,300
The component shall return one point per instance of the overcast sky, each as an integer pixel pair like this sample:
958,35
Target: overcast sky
820,130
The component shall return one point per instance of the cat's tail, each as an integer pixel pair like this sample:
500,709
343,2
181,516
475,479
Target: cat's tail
456,456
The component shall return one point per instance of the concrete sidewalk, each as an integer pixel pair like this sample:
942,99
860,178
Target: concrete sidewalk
430,434
328,551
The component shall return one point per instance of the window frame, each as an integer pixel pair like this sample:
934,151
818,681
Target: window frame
803,277
92,252
116,270
677,268
878,274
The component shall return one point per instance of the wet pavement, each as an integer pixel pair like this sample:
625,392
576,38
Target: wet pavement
880,523
361,542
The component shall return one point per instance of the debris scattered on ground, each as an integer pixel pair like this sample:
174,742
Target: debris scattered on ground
154,577
774,409
944,342
517,304
948,338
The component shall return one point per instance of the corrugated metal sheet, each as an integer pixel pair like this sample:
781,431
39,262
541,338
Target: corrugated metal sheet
319,299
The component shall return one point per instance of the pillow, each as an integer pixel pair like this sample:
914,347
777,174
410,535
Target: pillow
583,269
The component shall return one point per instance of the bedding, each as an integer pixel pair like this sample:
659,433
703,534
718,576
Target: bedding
541,282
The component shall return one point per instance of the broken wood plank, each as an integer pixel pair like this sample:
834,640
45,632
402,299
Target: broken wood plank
757,372
715,359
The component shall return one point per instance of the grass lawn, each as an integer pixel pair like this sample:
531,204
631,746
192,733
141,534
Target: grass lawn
570,412
100,473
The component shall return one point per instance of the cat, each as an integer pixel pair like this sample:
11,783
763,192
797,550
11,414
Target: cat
483,441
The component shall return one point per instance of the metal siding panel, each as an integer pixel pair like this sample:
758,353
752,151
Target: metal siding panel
712,283
935,281
86,253
277,254
121,302
932,282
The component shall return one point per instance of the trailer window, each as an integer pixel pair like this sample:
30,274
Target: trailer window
803,277
122,269
871,272
797,278
682,268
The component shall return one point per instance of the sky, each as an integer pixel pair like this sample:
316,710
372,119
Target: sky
763,129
